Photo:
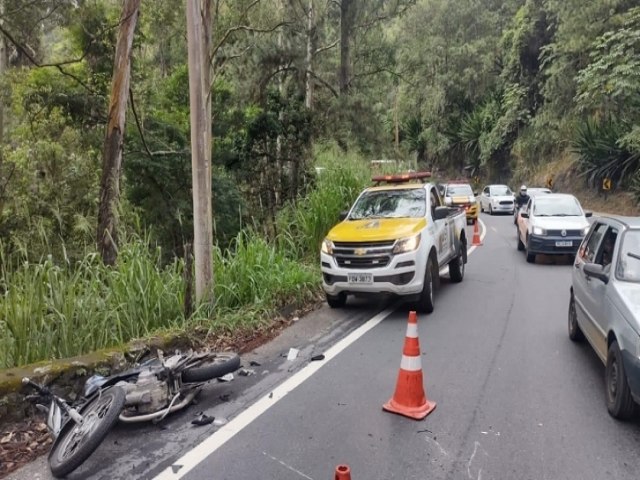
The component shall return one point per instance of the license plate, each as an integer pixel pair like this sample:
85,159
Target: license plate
564,244
360,277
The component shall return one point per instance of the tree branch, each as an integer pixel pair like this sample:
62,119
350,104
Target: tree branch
135,115
326,47
245,28
324,82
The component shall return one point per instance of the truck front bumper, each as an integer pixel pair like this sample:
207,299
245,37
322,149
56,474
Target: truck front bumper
403,276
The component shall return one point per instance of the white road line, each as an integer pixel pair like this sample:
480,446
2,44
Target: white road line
192,458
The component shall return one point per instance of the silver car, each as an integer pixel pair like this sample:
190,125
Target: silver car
604,306
497,198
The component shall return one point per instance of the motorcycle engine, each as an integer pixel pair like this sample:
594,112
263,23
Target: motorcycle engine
149,394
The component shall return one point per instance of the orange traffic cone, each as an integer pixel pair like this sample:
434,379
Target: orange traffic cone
409,398
343,472
476,235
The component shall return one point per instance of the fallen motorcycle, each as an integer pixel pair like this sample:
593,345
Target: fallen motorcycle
147,392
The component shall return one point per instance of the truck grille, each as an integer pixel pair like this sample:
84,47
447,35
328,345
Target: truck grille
360,255
506,202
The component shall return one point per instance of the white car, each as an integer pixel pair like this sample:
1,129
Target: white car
553,224
497,198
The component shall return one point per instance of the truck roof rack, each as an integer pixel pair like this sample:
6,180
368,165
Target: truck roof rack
400,178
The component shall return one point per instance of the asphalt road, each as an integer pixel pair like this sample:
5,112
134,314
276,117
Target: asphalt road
516,399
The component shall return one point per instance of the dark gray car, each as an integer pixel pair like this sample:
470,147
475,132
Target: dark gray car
604,306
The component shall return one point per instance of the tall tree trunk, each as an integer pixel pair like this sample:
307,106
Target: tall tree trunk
347,18
3,68
107,236
311,46
199,48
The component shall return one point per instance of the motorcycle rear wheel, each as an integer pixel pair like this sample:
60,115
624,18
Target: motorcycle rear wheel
77,442
214,366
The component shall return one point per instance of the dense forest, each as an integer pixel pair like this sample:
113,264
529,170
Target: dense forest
303,94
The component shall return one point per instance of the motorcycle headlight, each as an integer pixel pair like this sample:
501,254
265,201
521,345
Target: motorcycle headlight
408,244
327,246
539,231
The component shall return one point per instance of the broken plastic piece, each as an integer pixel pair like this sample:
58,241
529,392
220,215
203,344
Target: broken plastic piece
317,357
253,363
203,420
293,354
245,372
226,378
218,422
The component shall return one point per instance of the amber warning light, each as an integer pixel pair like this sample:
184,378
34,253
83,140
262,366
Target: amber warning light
405,177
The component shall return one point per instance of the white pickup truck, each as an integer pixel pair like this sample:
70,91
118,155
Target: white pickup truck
395,239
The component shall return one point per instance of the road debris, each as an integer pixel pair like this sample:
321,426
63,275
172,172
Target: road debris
226,378
315,358
293,354
253,363
203,419
246,372
218,422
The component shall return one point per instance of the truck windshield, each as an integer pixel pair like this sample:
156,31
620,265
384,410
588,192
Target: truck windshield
628,268
462,190
390,204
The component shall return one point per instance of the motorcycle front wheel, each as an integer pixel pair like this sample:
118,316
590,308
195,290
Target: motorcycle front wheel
77,442
212,366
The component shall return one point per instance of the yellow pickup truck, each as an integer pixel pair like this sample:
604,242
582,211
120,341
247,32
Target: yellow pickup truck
395,239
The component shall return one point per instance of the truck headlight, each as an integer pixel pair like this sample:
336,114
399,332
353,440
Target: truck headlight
539,231
585,230
327,246
408,244
495,202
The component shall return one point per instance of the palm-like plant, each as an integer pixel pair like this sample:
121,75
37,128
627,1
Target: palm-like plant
600,152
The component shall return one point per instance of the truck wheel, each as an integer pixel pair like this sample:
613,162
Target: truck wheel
425,303
456,266
337,301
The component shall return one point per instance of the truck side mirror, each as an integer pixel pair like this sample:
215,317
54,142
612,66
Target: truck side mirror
441,213
588,214
524,214
343,214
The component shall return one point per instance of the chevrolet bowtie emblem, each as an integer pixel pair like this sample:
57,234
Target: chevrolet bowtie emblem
360,251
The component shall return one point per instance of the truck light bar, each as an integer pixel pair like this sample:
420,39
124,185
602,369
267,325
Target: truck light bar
402,178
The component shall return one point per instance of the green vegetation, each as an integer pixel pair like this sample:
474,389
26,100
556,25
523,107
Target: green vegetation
51,310
304,95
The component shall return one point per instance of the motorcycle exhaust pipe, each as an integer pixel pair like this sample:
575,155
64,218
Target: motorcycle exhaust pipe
160,413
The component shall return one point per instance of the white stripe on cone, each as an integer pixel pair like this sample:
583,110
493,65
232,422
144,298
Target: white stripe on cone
412,330
410,364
